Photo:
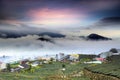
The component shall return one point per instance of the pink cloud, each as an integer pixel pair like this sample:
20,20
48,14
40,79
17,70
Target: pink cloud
53,13
55,17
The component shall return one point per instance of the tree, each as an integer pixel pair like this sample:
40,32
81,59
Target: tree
113,50
109,59
8,67
63,65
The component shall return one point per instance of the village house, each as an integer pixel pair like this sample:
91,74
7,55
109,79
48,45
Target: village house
93,62
74,57
36,63
24,64
2,65
102,57
109,53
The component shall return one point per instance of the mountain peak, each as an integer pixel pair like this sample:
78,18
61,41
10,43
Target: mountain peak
94,36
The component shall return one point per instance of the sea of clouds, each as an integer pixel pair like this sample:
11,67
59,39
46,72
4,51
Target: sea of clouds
29,46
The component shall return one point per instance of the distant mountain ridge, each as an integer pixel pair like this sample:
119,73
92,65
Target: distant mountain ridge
51,34
94,36
45,39
5,34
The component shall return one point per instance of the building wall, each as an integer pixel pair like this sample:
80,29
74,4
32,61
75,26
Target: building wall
2,66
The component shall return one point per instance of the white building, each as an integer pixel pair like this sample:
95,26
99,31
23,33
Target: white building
105,54
2,65
110,53
93,62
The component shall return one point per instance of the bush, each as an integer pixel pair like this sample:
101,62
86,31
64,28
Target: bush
8,67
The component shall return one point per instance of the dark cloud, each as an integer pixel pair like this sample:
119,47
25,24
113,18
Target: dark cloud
18,30
109,21
106,23
14,31
4,26
14,9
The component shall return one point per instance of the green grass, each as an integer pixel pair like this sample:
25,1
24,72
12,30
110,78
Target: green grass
47,72
111,68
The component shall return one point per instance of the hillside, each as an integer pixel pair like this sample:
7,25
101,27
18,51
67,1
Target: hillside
48,72
111,68
94,36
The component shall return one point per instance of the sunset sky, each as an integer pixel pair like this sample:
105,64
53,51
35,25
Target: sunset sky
72,18
57,13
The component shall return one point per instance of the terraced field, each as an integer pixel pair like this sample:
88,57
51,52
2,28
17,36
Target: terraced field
49,72
111,68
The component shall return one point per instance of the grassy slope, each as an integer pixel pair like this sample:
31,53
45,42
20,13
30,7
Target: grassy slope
111,68
45,72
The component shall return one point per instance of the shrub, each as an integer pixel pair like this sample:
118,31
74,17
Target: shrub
8,67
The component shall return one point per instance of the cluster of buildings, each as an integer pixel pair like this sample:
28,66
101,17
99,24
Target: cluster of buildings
72,58
106,56
91,58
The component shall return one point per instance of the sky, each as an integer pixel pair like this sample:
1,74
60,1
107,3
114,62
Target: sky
72,18
57,13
